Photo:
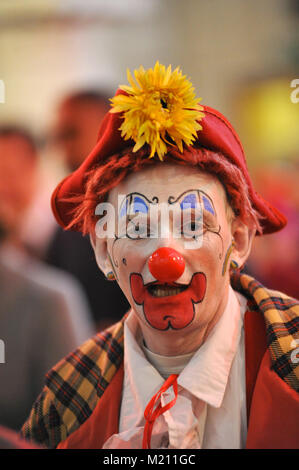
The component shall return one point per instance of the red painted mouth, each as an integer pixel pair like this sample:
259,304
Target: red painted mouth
168,305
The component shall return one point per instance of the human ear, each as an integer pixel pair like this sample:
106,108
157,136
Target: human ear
100,249
243,237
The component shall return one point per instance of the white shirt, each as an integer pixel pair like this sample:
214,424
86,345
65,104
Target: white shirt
210,411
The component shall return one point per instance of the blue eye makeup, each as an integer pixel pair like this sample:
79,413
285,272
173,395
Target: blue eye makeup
138,205
189,201
201,218
134,203
207,204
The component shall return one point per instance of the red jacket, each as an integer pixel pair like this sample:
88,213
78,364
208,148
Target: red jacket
272,381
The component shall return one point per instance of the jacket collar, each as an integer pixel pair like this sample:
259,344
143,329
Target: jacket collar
281,317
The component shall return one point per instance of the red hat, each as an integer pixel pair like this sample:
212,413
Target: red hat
216,134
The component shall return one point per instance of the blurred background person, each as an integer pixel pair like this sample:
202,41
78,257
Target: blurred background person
75,130
43,312
77,122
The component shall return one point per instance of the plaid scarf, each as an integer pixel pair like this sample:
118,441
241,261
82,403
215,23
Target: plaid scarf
74,386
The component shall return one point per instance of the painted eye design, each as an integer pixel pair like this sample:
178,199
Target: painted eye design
141,227
192,213
197,214
192,228
134,217
137,229
209,221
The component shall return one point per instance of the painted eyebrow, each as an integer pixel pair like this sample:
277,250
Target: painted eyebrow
138,201
207,201
207,204
189,199
141,203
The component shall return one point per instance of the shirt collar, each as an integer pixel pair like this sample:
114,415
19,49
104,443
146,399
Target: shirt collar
140,375
206,375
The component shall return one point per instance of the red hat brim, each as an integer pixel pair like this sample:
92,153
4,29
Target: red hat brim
217,134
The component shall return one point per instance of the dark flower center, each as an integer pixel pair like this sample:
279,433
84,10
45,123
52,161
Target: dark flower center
163,103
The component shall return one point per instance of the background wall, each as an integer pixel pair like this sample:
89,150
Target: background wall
49,47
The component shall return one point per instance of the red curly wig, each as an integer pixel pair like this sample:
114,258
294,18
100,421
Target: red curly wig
104,177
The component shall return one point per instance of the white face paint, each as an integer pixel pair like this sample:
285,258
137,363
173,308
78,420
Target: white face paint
156,187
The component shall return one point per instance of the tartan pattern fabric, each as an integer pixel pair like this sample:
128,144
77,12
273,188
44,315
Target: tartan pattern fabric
281,315
74,386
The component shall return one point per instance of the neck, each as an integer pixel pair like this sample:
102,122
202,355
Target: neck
185,341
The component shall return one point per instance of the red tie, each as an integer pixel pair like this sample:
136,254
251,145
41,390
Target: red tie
152,414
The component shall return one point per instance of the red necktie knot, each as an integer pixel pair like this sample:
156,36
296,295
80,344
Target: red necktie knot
151,413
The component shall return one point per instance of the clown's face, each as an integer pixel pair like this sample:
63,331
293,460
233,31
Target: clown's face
184,285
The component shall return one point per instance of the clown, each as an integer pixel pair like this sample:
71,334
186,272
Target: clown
206,357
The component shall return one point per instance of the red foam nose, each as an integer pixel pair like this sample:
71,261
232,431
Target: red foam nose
166,264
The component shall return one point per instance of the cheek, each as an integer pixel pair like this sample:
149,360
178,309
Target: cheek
131,254
208,258
127,257
212,259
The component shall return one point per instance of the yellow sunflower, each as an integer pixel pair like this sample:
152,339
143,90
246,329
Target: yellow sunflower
159,108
